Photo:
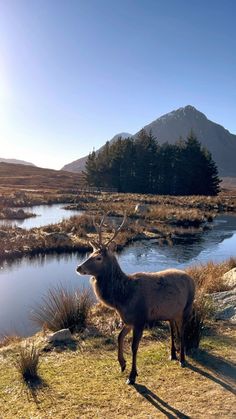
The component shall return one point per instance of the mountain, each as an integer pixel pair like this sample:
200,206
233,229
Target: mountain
79,164
178,123
219,141
15,161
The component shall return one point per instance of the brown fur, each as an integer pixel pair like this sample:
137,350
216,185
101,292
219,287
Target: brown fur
141,298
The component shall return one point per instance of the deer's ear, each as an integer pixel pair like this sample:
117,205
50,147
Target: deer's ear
112,247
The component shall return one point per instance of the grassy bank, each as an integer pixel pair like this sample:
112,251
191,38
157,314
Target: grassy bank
82,379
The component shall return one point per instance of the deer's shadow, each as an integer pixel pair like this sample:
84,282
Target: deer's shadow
158,403
216,369
224,371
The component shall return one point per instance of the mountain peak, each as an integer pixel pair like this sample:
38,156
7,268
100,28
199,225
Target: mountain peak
188,112
178,123
191,110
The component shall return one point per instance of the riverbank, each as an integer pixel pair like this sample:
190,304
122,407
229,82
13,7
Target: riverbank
165,219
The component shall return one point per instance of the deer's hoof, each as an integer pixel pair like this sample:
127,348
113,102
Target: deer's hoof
130,381
132,378
182,364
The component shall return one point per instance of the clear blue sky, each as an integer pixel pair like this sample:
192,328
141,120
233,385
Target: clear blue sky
73,73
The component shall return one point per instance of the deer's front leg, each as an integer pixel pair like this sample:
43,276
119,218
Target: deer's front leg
137,334
122,334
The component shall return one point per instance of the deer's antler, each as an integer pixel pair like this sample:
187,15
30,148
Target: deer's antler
117,230
98,228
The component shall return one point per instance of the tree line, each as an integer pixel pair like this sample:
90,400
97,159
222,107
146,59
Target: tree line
141,165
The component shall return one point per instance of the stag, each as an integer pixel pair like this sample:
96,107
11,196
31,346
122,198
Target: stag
141,298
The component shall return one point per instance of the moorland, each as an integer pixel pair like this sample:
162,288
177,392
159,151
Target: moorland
80,378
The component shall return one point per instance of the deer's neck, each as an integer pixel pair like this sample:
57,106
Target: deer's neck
112,286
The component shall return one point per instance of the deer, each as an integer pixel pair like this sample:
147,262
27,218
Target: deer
140,298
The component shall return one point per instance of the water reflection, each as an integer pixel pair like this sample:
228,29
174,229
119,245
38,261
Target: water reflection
46,214
24,282
217,244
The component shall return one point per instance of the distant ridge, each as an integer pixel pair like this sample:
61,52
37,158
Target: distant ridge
25,176
78,165
178,123
16,161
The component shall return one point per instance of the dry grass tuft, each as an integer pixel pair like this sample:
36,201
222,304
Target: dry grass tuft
63,308
27,362
6,340
202,311
209,276
209,279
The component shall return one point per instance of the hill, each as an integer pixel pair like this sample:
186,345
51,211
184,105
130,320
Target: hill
25,176
178,123
16,161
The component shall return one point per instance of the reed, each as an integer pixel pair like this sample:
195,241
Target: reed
62,308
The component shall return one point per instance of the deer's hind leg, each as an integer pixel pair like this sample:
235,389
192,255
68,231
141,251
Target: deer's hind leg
137,334
172,334
122,334
180,328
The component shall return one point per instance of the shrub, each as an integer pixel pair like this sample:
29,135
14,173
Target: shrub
27,362
63,308
202,311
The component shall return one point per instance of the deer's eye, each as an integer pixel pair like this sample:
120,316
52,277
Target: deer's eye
98,258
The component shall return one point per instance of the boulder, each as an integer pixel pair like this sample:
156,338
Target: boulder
225,304
60,336
230,278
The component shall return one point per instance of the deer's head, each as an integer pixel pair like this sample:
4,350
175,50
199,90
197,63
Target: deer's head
103,253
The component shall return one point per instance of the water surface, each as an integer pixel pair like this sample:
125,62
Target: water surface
46,214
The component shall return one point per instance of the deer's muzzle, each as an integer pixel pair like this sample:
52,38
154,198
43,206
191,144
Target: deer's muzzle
81,270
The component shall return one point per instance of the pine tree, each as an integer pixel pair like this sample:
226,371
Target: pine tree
143,166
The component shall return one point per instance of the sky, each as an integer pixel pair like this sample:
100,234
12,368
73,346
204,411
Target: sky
74,73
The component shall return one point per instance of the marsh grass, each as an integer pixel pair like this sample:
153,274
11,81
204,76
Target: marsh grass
27,362
209,276
9,339
203,310
62,308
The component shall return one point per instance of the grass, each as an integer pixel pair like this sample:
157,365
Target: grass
202,312
209,276
62,308
87,383
27,362
6,340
